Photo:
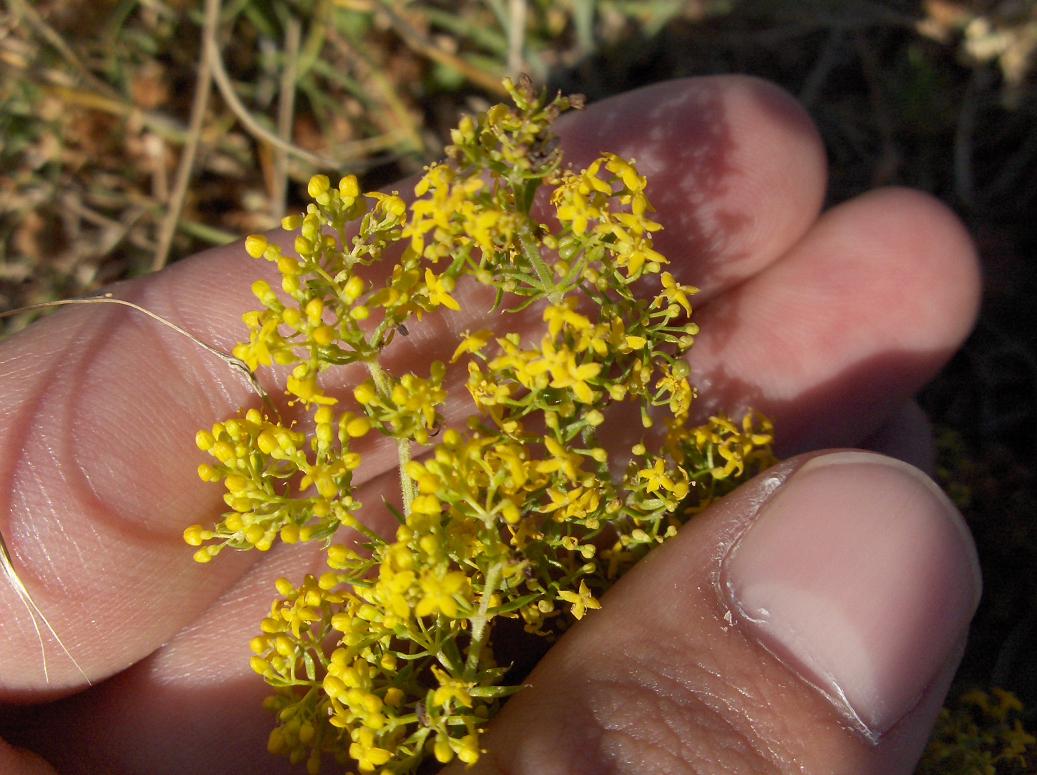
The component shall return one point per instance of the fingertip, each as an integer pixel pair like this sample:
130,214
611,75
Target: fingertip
837,576
735,165
902,257
938,262
851,322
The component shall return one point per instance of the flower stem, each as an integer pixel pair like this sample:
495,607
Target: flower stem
531,249
402,445
479,629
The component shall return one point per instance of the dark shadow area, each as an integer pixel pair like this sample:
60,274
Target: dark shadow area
134,725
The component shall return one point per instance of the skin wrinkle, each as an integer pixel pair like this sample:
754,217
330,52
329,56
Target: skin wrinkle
671,665
766,744
16,436
625,730
46,585
46,581
43,572
29,534
120,505
60,397
676,713
773,740
200,361
47,572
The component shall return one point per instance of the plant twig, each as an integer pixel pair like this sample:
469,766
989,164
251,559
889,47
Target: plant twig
583,20
826,61
199,106
257,130
419,43
516,36
55,41
402,444
890,158
479,621
285,116
964,181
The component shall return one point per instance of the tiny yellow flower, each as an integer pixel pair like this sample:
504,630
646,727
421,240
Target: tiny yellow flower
439,289
471,343
675,293
561,459
439,592
255,245
581,600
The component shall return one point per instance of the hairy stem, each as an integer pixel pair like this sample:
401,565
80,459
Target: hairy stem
479,629
532,252
402,445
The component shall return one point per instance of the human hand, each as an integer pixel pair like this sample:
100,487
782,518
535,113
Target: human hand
827,324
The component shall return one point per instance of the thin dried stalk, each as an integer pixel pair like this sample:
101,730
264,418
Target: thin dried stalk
199,106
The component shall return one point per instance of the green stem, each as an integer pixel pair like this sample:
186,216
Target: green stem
532,251
402,445
531,247
406,485
444,659
479,629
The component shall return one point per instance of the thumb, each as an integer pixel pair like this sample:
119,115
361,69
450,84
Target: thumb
809,622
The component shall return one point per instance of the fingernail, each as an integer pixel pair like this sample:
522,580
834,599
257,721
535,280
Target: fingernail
860,575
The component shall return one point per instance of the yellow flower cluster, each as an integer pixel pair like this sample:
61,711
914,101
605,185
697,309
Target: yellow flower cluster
980,733
525,509
280,483
404,408
587,201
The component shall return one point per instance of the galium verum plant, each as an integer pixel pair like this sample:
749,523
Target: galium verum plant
522,512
